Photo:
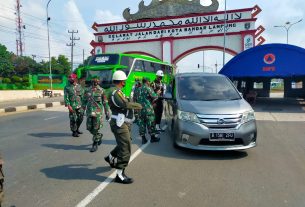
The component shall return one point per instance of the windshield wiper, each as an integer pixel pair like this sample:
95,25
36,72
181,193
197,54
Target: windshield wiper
233,99
211,99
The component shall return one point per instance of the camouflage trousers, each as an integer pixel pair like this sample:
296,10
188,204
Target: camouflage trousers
94,124
146,121
1,182
76,119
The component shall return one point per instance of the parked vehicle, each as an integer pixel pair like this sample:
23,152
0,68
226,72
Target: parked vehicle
205,111
135,66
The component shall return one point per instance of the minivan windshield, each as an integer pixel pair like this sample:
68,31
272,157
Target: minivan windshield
206,88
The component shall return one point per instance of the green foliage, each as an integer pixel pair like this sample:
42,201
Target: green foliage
6,80
25,79
6,66
11,64
16,79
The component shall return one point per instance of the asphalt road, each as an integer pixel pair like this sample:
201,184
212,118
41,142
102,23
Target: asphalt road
45,166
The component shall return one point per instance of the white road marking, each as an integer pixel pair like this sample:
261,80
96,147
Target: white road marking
51,118
104,184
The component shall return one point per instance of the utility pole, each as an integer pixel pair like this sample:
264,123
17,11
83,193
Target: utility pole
17,47
203,61
84,57
224,35
33,57
72,44
19,27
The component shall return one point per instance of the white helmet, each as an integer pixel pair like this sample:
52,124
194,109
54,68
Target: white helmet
119,75
160,73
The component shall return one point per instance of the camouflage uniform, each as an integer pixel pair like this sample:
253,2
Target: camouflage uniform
1,181
96,104
73,96
145,96
158,88
134,95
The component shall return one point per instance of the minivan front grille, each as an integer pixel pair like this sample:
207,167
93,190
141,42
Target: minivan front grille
224,121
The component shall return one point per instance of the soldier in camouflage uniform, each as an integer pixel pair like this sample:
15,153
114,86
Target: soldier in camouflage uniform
159,88
146,96
121,120
73,96
134,94
1,181
96,104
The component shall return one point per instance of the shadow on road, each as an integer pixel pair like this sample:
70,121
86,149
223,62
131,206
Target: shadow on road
68,147
165,148
75,172
49,135
188,154
78,147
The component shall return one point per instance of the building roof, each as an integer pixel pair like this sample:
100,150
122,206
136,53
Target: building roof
270,60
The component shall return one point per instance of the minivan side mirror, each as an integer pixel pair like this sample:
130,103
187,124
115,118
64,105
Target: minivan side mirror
168,96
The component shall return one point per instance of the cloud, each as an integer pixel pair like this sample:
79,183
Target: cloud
7,24
102,17
71,12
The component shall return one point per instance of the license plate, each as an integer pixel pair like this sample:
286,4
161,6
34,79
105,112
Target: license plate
222,137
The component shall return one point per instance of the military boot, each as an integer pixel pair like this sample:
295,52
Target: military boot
94,147
100,136
121,177
154,139
75,134
79,132
158,128
110,160
144,140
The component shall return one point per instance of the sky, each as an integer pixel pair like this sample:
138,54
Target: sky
79,15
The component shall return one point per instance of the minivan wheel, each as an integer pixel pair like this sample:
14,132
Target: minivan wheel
175,145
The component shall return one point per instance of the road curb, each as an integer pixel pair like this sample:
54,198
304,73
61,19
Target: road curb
31,107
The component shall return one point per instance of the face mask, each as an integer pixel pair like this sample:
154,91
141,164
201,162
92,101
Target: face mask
123,84
71,81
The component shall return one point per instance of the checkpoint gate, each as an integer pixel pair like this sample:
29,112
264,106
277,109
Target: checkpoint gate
170,30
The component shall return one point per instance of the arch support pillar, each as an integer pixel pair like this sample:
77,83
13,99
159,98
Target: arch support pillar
167,50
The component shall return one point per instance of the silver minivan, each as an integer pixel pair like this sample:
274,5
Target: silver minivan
206,112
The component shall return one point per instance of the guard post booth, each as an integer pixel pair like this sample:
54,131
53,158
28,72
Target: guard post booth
253,70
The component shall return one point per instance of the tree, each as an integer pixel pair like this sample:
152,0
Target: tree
60,65
6,65
65,64
23,65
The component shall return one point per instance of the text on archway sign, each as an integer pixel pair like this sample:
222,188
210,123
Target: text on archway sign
176,27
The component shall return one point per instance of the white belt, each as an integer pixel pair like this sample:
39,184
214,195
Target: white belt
125,120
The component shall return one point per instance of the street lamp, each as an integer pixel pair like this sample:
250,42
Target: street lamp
287,26
224,35
50,65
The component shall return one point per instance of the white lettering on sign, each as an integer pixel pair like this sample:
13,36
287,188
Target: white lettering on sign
102,59
178,32
186,21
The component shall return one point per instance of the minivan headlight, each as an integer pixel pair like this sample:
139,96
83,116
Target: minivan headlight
248,116
188,116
